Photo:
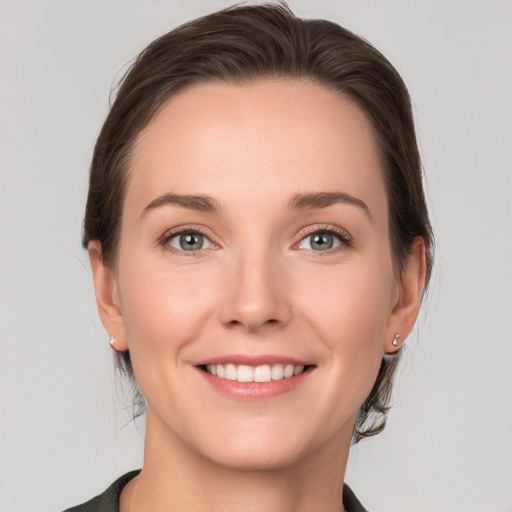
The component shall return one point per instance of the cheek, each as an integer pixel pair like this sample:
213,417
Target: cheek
349,309
164,307
165,310
348,302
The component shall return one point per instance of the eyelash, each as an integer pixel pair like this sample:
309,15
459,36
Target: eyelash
342,235
169,235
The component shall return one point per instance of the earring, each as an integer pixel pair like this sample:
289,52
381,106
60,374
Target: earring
112,340
395,340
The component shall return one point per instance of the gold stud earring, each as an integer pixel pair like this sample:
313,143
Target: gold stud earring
395,342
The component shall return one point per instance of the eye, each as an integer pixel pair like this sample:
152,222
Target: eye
321,241
189,241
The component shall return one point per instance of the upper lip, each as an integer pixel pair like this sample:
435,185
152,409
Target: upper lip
250,360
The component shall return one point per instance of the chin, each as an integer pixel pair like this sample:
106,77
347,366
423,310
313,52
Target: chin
269,446
255,458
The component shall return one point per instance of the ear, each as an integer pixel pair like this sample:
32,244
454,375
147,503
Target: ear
107,297
411,284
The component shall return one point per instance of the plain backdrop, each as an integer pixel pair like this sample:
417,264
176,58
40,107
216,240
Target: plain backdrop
64,424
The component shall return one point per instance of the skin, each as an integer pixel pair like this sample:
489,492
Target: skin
256,288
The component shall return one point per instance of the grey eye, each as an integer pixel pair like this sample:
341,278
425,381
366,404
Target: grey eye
189,241
320,241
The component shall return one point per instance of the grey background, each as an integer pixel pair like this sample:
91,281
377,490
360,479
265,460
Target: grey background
448,445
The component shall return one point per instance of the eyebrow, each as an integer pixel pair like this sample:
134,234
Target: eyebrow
208,204
200,203
325,199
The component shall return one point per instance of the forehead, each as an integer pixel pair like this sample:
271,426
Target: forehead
269,138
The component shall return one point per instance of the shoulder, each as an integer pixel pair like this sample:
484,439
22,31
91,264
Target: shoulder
107,501
350,501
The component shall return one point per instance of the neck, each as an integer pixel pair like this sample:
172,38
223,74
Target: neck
175,477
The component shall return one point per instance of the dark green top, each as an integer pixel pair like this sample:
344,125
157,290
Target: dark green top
108,501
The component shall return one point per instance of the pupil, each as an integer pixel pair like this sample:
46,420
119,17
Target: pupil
191,241
322,241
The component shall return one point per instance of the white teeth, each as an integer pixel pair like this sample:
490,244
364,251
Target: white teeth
277,372
263,373
230,372
244,374
288,370
297,370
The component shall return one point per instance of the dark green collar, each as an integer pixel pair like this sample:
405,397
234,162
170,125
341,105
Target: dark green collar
108,501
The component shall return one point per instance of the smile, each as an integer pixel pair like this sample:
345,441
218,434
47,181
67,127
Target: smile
262,373
260,377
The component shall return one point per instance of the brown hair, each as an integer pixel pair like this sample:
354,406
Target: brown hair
244,43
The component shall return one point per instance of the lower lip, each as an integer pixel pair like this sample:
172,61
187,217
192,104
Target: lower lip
255,390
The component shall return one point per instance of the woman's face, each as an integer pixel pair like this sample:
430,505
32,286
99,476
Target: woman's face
254,243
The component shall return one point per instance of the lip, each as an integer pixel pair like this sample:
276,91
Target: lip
254,390
251,360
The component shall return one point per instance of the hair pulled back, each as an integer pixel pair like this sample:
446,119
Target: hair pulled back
245,43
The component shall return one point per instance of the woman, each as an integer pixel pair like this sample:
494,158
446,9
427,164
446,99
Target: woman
260,244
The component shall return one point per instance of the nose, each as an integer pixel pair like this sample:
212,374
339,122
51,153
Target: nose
256,297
